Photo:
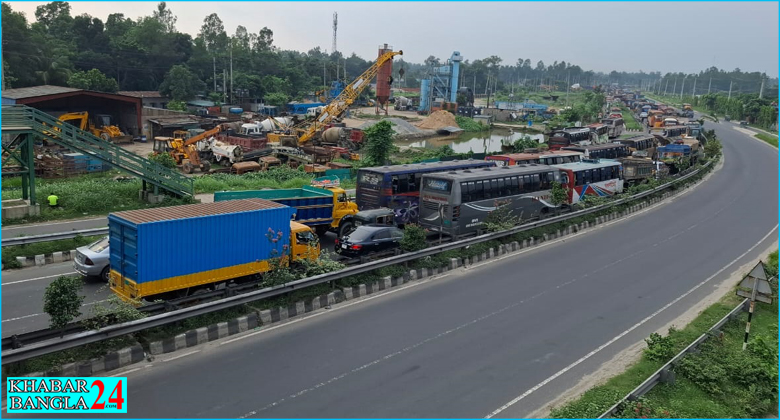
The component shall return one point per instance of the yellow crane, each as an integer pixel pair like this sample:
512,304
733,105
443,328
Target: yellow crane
100,127
182,148
338,105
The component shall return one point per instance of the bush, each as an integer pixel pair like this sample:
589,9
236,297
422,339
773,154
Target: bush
62,302
414,238
469,125
659,348
501,218
163,159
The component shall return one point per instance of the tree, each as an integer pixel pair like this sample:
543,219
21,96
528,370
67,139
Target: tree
558,194
414,238
166,17
501,218
93,80
379,142
62,302
175,105
276,99
181,84
213,32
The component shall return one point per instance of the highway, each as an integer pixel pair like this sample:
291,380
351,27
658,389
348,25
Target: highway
502,338
14,231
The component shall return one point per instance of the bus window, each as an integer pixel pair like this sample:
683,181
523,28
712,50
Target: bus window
588,177
515,185
579,179
480,191
606,173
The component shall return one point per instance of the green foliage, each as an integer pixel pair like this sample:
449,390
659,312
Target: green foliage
181,84
113,311
163,159
10,253
414,238
378,140
558,194
767,138
93,80
642,409
175,105
502,218
659,348
469,125
277,99
526,142
62,302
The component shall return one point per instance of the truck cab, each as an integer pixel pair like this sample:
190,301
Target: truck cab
342,207
305,244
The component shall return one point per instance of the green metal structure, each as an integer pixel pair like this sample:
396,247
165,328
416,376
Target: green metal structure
25,125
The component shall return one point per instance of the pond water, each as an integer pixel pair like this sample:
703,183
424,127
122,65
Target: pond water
484,142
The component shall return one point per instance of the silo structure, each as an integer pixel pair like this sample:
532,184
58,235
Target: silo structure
425,86
384,78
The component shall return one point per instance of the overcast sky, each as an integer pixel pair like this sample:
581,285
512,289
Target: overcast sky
601,36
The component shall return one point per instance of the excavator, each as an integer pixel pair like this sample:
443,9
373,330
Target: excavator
100,127
182,148
305,133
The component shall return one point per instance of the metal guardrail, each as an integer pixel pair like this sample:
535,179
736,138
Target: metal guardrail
118,330
24,240
663,373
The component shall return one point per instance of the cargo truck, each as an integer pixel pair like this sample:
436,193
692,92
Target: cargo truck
163,253
324,209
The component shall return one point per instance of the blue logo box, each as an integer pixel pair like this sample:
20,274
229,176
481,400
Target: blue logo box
66,395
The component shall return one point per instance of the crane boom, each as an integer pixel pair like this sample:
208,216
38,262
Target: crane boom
203,135
347,96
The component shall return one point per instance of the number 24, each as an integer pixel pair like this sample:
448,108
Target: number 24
117,390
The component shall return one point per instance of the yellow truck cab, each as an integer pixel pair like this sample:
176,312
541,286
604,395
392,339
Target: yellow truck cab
342,206
305,244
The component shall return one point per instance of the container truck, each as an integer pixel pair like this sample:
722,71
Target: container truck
324,209
163,253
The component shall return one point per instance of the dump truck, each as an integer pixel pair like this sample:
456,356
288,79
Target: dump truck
256,236
324,209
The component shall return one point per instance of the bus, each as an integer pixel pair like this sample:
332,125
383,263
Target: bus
645,142
457,203
596,177
615,126
569,136
544,158
599,133
397,187
601,151
637,170
512,159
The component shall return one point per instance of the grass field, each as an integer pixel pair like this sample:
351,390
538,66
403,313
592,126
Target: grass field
767,138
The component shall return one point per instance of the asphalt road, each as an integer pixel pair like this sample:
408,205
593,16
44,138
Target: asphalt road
53,227
468,344
523,329
22,293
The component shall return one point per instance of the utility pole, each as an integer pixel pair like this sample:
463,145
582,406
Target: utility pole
694,87
730,84
674,88
568,79
709,88
214,60
682,88
224,86
761,92
667,86
231,71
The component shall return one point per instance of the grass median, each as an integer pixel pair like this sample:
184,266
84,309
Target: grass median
767,138
720,381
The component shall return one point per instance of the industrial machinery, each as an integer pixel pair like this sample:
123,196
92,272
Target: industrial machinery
99,126
182,147
306,132
441,86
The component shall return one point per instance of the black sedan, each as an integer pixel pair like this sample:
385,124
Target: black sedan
369,239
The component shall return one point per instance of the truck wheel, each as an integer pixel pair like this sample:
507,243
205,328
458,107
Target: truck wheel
205,167
105,137
187,168
345,229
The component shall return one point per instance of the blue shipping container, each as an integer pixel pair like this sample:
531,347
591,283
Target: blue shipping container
160,243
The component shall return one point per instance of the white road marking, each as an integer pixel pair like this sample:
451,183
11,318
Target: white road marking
54,223
125,372
180,356
626,332
32,315
40,278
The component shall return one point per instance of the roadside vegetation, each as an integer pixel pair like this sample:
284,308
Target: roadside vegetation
469,125
767,138
628,117
720,381
11,252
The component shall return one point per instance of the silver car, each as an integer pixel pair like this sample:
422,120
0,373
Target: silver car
93,260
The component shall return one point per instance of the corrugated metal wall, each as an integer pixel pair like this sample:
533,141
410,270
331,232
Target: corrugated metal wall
178,247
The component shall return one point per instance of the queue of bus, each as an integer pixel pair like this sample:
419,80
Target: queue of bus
455,197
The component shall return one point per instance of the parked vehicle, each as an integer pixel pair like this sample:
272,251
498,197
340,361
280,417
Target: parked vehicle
93,260
457,203
324,209
397,187
596,177
369,239
160,253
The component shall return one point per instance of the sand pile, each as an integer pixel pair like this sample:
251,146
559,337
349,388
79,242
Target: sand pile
403,129
438,120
